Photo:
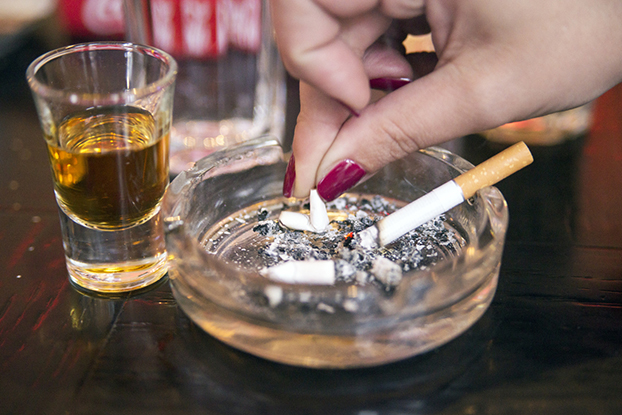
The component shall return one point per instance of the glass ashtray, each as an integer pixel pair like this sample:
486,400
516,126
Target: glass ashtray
214,211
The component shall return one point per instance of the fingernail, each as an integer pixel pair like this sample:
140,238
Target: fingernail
352,111
388,84
290,177
341,178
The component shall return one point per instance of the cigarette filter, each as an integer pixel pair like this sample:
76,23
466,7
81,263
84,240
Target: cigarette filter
447,196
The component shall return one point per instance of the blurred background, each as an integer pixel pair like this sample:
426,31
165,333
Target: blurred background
31,27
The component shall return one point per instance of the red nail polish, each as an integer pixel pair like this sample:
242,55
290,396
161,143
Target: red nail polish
388,84
290,177
341,178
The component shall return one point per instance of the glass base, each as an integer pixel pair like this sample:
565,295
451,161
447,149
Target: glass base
118,277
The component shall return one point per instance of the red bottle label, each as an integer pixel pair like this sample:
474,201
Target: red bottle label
92,19
245,24
184,28
206,28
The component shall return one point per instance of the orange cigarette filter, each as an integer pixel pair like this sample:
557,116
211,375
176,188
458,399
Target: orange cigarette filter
447,196
494,169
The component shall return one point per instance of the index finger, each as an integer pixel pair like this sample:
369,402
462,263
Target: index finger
313,48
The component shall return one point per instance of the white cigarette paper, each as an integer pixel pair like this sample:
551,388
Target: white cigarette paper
302,272
419,212
296,221
317,221
318,214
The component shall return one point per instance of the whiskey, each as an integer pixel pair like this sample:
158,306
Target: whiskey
110,166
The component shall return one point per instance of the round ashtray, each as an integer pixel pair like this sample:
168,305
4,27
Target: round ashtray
214,215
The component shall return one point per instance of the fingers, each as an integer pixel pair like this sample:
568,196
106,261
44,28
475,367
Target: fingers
321,118
398,125
383,61
396,9
347,8
325,50
402,9
499,62
318,123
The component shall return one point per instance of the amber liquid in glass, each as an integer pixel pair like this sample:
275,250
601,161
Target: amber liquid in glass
110,166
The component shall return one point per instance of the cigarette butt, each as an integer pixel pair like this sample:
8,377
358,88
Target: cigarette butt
295,220
303,272
317,220
494,169
318,216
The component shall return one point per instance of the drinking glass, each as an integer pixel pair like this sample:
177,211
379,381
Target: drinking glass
106,111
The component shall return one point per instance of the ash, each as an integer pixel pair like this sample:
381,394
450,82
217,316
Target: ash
354,264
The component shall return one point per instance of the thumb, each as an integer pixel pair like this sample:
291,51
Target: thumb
435,108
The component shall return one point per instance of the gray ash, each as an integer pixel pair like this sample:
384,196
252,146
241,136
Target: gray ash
422,247
267,228
354,264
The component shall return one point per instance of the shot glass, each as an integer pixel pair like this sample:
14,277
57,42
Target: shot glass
106,114
231,82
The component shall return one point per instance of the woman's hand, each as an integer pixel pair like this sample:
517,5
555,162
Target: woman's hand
498,61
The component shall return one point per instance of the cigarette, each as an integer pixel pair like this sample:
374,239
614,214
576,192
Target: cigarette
446,196
317,221
321,272
324,272
318,215
296,221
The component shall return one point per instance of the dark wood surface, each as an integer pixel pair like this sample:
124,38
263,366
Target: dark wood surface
551,342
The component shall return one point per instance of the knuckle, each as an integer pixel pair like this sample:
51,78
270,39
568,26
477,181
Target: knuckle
401,141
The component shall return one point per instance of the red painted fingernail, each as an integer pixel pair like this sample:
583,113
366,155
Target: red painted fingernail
341,178
290,177
388,84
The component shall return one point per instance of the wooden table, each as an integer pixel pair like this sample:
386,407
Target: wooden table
551,343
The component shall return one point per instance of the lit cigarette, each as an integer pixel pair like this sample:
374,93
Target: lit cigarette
302,272
446,196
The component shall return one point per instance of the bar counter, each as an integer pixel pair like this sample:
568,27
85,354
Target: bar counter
551,342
